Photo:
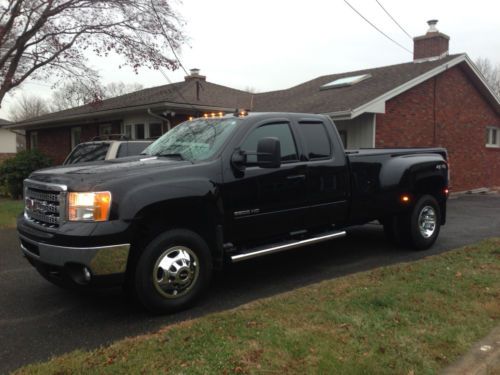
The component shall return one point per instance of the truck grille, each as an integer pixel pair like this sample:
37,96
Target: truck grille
44,204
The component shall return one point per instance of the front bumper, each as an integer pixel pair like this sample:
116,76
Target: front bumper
82,264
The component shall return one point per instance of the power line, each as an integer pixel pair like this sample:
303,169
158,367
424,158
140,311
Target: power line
168,38
392,18
376,28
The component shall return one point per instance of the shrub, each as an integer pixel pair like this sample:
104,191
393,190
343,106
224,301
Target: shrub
14,170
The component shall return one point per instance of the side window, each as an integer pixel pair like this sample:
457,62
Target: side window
131,148
316,139
281,131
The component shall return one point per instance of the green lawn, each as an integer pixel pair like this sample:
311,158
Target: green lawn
411,318
9,209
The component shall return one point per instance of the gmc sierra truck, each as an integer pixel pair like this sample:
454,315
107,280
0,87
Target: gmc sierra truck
218,190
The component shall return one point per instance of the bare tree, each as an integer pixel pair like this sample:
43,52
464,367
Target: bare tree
75,94
45,39
491,73
27,107
114,89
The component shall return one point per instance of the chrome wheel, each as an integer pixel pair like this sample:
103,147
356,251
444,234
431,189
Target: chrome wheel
427,220
176,272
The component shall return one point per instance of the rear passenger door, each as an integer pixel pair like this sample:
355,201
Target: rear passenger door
327,183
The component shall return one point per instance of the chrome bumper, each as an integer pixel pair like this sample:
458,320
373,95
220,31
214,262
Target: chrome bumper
102,260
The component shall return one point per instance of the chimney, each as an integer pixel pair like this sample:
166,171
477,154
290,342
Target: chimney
195,74
431,46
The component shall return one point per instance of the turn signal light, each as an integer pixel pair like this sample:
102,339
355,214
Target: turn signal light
405,198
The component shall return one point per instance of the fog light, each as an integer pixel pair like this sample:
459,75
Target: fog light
86,274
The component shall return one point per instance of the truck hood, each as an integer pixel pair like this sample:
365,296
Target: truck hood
87,175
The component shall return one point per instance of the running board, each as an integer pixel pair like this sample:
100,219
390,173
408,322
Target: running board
260,251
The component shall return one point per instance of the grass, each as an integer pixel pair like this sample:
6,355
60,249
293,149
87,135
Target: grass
9,209
413,318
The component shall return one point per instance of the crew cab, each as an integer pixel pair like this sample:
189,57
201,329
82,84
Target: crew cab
213,191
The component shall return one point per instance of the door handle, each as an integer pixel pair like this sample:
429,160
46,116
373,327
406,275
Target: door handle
296,177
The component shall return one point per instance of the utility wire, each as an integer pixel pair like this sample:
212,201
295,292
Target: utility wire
376,28
168,38
392,18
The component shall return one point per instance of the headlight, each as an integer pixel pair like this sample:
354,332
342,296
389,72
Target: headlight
89,206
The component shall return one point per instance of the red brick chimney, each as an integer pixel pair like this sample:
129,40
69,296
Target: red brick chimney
432,45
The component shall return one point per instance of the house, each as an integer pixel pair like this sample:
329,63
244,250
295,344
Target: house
142,114
8,141
437,99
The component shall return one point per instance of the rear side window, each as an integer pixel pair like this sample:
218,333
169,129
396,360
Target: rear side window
131,148
316,139
281,131
87,152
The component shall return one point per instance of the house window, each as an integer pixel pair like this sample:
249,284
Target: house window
143,131
76,136
492,137
155,130
105,129
33,140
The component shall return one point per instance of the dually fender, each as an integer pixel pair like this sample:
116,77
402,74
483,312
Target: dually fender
410,172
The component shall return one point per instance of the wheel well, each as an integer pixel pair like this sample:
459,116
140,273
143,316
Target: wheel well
194,214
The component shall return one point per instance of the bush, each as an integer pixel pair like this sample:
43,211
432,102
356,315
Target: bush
14,170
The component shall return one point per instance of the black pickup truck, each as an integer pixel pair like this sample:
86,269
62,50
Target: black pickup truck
217,190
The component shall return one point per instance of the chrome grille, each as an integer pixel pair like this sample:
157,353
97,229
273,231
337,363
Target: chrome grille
44,203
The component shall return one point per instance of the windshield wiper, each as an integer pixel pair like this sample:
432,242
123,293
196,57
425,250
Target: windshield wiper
170,154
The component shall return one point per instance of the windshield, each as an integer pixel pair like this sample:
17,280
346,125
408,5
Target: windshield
194,140
87,152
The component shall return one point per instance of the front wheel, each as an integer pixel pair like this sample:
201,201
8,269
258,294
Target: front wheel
173,271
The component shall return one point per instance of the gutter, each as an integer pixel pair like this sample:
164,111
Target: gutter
121,110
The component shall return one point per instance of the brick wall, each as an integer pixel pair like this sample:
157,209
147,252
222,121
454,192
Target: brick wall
56,142
4,156
445,111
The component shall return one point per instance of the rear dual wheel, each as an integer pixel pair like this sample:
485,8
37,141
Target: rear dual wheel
419,228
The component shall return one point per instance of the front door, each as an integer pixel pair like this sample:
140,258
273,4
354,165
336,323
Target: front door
265,202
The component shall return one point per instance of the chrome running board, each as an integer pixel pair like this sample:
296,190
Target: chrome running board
276,248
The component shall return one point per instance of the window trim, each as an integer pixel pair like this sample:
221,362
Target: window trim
147,134
489,136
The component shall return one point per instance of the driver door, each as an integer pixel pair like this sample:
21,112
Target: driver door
262,203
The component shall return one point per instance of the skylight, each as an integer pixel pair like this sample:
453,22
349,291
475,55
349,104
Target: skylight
345,81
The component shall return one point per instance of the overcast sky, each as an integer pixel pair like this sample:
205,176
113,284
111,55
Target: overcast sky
270,45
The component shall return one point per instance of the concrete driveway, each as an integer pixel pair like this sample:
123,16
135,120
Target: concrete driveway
39,320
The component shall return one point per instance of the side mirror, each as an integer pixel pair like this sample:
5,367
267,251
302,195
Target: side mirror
269,153
239,160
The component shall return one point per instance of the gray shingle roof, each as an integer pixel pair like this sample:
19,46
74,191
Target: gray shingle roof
206,95
308,97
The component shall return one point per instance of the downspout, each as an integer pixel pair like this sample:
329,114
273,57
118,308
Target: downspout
434,113
163,119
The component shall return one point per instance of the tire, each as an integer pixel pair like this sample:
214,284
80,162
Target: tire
173,271
420,227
